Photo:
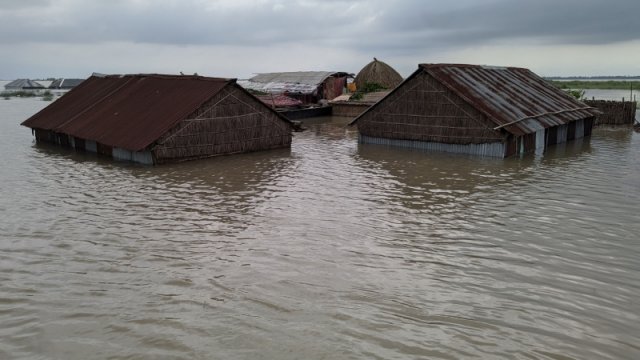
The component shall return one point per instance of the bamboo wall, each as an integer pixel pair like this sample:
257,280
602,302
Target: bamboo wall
231,122
614,112
348,109
422,109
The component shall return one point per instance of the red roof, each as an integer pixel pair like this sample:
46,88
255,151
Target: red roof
279,100
130,111
514,98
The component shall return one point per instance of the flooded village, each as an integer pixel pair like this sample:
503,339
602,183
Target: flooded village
456,108
319,180
465,202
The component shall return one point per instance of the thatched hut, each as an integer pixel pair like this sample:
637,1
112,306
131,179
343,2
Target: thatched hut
372,83
153,119
378,72
482,110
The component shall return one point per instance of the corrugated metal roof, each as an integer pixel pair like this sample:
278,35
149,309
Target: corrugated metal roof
516,99
301,82
279,100
65,83
23,84
129,112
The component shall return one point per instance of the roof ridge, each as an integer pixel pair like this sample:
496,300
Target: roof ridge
471,66
172,76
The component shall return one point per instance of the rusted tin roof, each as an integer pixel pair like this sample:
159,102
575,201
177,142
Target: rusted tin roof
516,99
296,82
279,100
130,111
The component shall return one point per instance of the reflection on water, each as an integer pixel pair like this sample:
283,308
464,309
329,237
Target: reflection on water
332,249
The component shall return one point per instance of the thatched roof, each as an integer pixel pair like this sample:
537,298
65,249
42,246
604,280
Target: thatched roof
378,72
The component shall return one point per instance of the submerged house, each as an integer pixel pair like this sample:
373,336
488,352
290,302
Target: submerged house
481,110
306,86
153,119
65,84
23,84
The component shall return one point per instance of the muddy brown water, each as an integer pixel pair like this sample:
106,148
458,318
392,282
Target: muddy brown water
329,250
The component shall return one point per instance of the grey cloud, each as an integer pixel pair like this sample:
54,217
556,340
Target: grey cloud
395,27
23,4
550,21
178,23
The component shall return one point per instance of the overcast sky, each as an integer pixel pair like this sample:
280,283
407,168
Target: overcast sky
237,38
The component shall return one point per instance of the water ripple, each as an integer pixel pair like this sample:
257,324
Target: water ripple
329,250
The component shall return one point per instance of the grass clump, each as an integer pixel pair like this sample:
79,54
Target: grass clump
367,88
576,93
19,93
599,85
47,96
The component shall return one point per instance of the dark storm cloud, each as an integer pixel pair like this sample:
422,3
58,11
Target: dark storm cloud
180,23
547,21
398,26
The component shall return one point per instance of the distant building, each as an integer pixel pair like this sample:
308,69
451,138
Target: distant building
306,86
65,83
279,101
481,110
153,119
23,84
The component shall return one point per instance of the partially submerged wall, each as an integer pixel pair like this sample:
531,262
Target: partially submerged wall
614,112
349,109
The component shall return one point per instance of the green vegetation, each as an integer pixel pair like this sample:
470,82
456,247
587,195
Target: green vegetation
19,93
257,92
46,95
367,88
578,94
602,85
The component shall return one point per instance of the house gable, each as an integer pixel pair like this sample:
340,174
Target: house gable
233,121
422,109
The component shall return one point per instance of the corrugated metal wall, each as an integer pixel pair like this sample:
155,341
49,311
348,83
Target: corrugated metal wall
91,146
540,141
142,157
579,129
487,149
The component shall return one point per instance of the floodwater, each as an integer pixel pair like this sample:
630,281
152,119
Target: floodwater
616,95
329,250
